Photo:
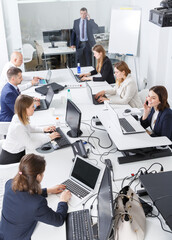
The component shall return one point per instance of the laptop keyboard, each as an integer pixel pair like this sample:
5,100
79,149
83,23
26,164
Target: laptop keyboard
76,189
78,79
126,125
78,225
62,141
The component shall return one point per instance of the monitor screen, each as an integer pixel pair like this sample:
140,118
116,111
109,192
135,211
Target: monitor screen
73,119
105,206
52,36
85,172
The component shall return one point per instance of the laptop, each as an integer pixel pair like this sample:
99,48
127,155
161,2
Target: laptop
75,76
82,180
158,187
45,103
91,95
125,124
47,79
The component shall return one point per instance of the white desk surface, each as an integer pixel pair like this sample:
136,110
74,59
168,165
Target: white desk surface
59,162
62,48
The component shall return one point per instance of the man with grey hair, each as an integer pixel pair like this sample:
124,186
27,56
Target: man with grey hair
16,60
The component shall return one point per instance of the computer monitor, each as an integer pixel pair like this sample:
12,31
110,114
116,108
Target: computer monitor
52,36
105,206
73,119
101,29
66,35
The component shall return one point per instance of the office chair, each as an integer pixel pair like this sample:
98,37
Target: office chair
43,62
143,94
4,129
28,51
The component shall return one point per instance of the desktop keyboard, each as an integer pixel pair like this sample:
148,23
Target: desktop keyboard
126,125
62,141
78,225
75,189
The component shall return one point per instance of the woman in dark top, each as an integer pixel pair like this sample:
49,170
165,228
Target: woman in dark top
24,201
157,113
104,66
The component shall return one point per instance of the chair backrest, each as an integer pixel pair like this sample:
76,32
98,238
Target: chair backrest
143,94
4,128
39,51
28,50
7,171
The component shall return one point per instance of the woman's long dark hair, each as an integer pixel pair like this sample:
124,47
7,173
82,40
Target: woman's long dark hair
162,93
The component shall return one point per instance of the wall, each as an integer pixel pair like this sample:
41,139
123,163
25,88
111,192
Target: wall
3,45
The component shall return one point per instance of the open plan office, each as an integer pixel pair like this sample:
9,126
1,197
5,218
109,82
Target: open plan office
96,79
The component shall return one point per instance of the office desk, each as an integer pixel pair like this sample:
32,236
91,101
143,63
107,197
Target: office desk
59,162
61,50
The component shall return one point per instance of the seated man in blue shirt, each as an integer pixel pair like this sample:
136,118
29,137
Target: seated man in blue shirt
9,94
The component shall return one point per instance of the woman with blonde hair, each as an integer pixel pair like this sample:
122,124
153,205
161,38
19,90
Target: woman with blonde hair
24,201
125,90
104,66
19,136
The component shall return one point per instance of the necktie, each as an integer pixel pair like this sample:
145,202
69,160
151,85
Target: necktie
83,29
18,90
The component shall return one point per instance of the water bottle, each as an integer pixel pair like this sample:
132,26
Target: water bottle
78,68
69,94
57,122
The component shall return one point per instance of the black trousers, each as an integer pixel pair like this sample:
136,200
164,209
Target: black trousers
84,54
8,158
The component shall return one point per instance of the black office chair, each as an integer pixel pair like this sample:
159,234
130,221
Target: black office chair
43,62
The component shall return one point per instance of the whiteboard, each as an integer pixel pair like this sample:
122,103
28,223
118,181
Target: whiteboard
124,31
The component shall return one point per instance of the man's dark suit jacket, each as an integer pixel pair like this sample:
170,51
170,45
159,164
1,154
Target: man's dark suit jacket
163,125
21,212
106,72
8,98
92,28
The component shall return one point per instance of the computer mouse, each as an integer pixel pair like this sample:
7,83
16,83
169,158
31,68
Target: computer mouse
127,110
45,148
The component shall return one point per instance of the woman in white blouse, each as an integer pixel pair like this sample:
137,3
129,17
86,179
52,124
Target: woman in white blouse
125,90
19,137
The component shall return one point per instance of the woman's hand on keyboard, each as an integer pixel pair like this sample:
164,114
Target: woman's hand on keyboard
50,129
54,135
65,196
56,189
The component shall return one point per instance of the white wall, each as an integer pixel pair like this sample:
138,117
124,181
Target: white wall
3,45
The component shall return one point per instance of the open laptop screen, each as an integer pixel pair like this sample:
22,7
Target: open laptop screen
85,172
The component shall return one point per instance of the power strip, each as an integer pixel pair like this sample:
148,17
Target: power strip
74,85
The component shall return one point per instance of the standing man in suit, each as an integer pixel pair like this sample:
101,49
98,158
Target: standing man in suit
16,60
82,37
9,94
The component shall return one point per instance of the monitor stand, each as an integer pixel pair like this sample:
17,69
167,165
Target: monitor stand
73,134
141,154
52,45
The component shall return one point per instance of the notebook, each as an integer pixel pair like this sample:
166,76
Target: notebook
45,103
82,180
92,96
125,124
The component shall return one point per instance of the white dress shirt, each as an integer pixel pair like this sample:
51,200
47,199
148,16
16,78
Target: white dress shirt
4,79
20,137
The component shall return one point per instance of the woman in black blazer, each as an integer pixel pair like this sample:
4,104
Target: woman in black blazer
104,66
24,201
157,113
